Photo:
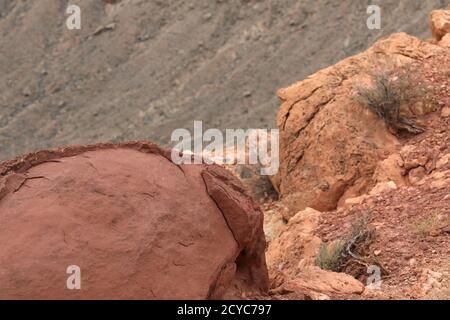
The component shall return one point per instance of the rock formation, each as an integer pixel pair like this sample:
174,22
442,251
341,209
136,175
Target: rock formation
330,145
356,196
364,194
138,227
439,22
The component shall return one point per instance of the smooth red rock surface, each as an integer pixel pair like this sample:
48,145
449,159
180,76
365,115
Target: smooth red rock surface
138,226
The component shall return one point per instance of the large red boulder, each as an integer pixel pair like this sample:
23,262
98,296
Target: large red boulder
330,144
137,225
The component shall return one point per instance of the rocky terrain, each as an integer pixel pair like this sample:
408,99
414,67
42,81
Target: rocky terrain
139,69
360,208
377,196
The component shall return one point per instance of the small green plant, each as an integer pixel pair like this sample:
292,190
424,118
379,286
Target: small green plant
331,256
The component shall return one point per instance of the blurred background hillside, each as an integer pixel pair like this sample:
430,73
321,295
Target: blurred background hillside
139,69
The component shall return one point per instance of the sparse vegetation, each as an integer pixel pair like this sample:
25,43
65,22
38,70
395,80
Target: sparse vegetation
424,226
389,87
331,256
336,254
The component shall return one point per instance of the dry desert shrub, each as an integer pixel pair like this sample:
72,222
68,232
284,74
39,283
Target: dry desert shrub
331,256
425,226
335,255
389,87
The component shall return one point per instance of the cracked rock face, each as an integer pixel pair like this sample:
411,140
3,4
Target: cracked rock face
329,144
138,226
